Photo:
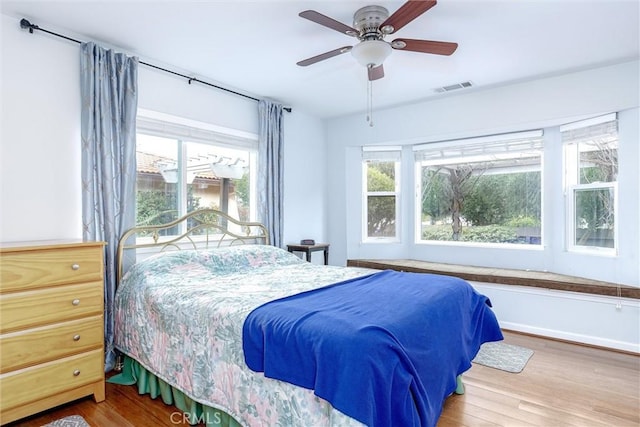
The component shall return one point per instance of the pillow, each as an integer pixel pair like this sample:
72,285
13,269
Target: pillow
220,260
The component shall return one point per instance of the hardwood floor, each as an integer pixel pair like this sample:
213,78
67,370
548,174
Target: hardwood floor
562,385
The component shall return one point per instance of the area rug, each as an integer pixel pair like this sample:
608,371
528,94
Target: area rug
70,421
506,357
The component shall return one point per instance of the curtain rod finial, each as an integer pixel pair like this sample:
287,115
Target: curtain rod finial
26,24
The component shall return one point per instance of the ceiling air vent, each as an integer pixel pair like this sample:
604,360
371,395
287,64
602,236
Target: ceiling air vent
453,87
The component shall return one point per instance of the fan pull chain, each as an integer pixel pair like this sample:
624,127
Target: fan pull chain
370,101
367,100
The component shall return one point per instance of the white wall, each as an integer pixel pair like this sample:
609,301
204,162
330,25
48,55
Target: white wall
589,319
40,148
536,104
40,195
305,188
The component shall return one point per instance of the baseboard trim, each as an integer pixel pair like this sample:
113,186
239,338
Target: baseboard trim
585,340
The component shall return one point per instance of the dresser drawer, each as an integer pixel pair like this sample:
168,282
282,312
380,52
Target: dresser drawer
30,269
44,306
29,347
37,382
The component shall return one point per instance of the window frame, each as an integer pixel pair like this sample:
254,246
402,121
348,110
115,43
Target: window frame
480,147
571,184
381,154
185,131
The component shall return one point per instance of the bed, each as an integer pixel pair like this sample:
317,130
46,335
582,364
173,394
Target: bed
209,326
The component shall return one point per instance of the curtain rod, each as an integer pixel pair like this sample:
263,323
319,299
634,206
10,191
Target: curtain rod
25,24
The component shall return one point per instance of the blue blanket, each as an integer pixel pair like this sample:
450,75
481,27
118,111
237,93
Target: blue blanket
384,349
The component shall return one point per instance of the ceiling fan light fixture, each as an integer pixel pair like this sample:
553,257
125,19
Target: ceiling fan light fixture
371,52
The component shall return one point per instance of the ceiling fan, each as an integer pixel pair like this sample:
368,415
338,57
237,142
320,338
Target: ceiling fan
371,24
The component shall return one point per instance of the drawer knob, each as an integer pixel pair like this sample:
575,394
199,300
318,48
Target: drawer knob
75,267
76,337
76,372
75,302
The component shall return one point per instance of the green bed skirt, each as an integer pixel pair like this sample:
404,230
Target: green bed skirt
193,412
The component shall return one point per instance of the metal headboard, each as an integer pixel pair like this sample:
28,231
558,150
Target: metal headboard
203,228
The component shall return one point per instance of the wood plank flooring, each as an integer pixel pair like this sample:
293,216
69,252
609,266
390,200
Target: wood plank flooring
563,384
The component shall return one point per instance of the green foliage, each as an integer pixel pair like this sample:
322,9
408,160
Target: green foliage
593,174
381,215
380,176
599,164
435,202
490,234
490,205
485,234
498,199
485,204
381,210
154,207
523,221
242,190
594,208
241,187
436,232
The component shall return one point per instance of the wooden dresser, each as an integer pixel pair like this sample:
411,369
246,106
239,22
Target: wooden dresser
51,325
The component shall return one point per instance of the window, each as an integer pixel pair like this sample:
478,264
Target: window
181,168
591,174
484,190
381,178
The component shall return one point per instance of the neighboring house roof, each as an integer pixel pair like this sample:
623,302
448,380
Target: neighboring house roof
151,164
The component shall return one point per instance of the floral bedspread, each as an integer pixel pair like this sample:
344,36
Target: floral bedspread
180,314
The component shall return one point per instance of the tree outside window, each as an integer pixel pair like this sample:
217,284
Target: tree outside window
486,192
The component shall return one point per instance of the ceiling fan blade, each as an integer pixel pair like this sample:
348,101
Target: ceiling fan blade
321,19
407,13
324,56
425,46
375,73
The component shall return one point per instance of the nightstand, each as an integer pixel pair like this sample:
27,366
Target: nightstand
308,249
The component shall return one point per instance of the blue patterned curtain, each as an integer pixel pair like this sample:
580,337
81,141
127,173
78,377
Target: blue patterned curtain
109,90
270,169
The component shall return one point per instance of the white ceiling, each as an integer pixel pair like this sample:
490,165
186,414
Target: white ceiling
253,46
